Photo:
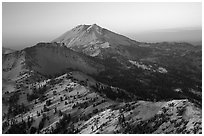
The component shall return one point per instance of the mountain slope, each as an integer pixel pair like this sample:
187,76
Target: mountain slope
13,64
76,103
47,59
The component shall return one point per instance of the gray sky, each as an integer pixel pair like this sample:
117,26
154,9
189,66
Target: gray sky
25,24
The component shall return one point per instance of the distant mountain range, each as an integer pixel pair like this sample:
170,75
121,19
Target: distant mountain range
7,50
191,35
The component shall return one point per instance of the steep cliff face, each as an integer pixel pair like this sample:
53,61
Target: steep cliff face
52,59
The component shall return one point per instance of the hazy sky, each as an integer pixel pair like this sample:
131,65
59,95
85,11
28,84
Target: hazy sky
25,24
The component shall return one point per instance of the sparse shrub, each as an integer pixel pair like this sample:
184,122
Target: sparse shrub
95,111
180,111
38,114
55,110
60,113
45,109
74,106
54,92
61,98
48,103
41,124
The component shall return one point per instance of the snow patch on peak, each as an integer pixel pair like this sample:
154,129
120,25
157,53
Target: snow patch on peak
96,28
80,28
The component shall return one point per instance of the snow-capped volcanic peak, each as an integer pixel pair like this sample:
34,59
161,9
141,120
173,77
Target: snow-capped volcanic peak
84,34
82,38
80,35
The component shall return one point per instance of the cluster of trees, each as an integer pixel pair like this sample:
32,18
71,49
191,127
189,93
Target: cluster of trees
82,105
146,126
13,98
21,127
98,103
180,111
48,102
112,94
61,126
152,85
37,93
151,125
42,122
16,109
95,111
13,107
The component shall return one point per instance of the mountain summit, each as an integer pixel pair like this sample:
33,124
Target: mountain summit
90,34
93,39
